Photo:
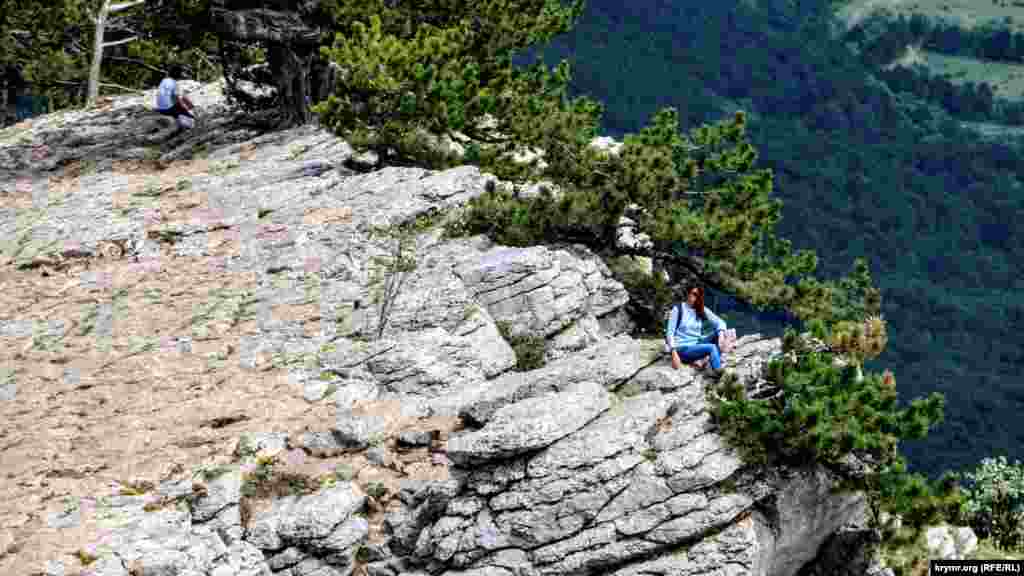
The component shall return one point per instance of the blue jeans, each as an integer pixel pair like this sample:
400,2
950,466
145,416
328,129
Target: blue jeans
707,345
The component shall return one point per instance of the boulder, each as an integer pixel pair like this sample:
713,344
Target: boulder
609,363
221,492
531,424
950,542
352,431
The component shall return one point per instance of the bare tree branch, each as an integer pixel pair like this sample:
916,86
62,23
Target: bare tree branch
138,62
125,6
79,83
119,42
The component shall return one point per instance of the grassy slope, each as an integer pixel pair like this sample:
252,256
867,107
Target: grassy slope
1007,80
968,13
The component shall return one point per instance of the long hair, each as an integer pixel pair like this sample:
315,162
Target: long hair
699,304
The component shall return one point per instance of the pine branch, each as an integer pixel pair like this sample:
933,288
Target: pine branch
137,62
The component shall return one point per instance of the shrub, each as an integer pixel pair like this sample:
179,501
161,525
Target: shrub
994,502
344,472
137,488
389,273
827,413
214,472
245,448
85,557
267,482
376,490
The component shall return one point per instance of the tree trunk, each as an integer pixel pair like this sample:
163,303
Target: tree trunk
323,74
97,56
291,69
99,45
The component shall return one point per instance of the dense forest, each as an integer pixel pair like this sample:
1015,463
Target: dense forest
864,167
881,39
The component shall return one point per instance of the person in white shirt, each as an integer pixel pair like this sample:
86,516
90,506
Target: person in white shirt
685,332
171,102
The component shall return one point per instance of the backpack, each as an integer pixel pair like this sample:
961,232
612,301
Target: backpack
679,317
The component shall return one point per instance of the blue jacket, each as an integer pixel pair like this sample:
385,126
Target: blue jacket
691,327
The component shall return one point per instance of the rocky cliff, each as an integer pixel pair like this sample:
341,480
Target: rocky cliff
214,366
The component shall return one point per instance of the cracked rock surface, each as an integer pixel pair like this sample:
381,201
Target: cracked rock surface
199,380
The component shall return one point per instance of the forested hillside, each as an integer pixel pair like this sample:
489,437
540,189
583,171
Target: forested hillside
862,170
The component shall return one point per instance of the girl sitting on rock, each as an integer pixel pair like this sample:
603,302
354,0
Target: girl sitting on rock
685,332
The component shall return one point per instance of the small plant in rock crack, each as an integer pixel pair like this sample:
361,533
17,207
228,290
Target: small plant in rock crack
649,454
153,153
330,390
152,190
165,236
630,389
245,448
265,481
183,185
213,472
260,476
378,439
152,295
728,486
86,558
529,349
469,311
376,490
286,360
88,322
87,167
298,150
224,167
137,488
362,554
344,472
392,271
262,212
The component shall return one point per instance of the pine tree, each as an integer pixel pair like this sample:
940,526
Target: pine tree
416,72
53,43
432,83
39,37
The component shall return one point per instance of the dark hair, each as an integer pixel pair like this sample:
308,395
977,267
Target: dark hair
176,72
699,304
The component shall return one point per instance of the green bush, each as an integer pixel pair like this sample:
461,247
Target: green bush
267,482
827,413
376,490
994,502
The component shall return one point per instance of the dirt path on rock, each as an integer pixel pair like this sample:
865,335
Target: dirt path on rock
105,395
93,411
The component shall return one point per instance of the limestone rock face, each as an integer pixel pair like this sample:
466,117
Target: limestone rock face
540,291
531,424
950,542
604,460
